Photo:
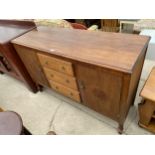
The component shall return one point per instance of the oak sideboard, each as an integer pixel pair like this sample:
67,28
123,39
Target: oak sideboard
100,70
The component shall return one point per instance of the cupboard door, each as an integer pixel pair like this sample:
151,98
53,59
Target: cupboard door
99,89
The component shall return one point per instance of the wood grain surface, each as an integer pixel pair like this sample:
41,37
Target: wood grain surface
111,50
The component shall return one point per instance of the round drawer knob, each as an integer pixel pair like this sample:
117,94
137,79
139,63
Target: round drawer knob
57,88
52,75
71,94
67,81
63,68
46,62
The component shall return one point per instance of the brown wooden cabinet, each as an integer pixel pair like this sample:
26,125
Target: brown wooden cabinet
98,69
10,62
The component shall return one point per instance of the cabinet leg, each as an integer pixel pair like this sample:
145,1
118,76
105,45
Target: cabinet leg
120,128
33,88
1,72
132,104
40,88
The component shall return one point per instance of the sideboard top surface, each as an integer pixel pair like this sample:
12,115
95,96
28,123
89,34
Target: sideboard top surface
116,51
10,29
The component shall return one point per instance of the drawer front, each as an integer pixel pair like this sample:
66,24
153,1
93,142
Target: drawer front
61,78
66,91
56,64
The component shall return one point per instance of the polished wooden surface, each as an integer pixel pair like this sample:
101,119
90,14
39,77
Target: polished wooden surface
150,127
147,115
100,89
66,80
148,92
147,107
111,50
12,29
106,66
146,111
66,91
10,62
56,64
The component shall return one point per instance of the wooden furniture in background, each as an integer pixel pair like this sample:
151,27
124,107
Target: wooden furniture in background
110,25
79,26
1,109
99,70
127,23
10,62
147,107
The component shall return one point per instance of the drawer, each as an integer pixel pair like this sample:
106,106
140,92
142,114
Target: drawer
66,91
61,78
56,64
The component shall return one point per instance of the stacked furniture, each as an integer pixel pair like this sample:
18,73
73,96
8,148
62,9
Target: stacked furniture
97,69
147,107
10,62
110,25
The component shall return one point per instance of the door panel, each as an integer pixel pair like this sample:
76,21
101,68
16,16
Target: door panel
100,89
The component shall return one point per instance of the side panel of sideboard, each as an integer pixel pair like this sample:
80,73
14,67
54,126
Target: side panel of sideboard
14,66
32,64
130,85
135,77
